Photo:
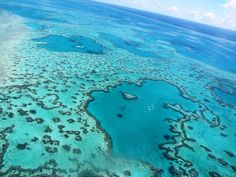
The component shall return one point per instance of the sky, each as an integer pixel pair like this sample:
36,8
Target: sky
221,13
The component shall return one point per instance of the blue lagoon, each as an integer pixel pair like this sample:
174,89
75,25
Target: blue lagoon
95,90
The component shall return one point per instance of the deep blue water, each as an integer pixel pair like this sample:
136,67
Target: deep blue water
226,96
128,45
219,52
205,29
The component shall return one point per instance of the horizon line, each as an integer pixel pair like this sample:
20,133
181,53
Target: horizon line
156,13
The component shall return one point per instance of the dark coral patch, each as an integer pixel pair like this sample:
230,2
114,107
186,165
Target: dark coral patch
39,120
167,137
22,146
127,173
33,111
56,119
88,173
214,174
48,129
51,149
76,151
1,110
119,115
66,147
230,154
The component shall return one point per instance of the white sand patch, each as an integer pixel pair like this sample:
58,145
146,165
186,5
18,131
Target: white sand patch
12,31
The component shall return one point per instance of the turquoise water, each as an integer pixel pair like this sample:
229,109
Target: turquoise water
35,26
91,89
73,44
137,127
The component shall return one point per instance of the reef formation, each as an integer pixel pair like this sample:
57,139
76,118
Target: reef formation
65,55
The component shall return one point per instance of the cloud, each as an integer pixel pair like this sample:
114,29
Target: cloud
210,15
149,5
207,17
197,15
204,16
230,4
227,21
230,21
225,16
173,9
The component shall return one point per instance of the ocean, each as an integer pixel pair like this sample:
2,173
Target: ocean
95,90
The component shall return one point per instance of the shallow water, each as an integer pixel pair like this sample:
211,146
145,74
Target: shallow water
99,90
138,126
72,44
